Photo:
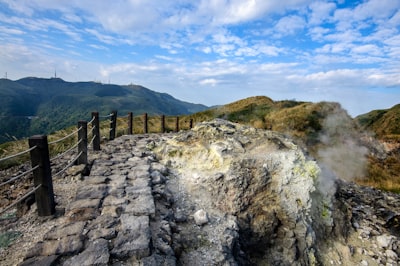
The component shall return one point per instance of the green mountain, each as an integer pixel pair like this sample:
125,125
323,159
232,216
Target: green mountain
39,106
384,123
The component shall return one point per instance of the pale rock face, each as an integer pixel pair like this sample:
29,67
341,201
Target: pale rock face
200,217
259,177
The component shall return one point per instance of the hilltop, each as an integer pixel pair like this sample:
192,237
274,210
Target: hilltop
39,106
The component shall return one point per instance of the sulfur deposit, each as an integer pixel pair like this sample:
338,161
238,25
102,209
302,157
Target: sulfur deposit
255,185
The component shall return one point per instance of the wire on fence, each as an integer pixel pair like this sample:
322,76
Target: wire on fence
67,136
91,121
68,165
91,141
19,200
65,152
19,176
106,116
91,130
17,154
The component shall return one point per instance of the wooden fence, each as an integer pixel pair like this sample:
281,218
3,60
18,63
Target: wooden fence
41,161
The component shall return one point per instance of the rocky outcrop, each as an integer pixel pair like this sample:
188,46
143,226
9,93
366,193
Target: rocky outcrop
219,194
255,185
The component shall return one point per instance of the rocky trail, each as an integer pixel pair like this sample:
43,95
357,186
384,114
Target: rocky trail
220,194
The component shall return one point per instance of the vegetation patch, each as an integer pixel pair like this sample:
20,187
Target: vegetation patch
6,238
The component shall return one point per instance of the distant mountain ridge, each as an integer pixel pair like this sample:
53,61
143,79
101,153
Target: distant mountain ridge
39,106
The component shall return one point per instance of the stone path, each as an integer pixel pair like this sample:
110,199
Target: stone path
108,222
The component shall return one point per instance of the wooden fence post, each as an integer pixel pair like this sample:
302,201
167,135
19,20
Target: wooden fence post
177,124
191,123
163,124
96,131
83,141
44,195
130,123
113,124
145,126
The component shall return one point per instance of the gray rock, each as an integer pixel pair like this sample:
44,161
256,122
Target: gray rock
95,254
133,239
143,204
92,192
106,233
65,230
384,241
200,217
84,203
180,216
390,254
64,246
157,260
41,260
82,214
131,244
157,178
76,169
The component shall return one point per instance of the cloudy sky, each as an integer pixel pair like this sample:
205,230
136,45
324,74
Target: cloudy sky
213,51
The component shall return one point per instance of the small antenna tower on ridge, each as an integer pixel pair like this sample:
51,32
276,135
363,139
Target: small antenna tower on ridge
55,73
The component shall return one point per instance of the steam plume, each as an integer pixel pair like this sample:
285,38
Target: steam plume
341,154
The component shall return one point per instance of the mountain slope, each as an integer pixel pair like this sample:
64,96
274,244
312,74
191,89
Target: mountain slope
382,122
39,106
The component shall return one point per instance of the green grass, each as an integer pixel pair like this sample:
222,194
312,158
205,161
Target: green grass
6,238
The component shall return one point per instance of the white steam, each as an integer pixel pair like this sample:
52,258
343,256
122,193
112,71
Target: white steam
341,154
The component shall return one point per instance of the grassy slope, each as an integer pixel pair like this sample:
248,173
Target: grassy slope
385,124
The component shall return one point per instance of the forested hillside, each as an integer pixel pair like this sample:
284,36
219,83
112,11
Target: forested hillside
39,106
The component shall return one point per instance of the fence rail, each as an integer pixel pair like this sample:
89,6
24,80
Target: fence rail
41,161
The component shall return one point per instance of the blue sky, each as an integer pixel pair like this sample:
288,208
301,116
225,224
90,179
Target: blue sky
213,51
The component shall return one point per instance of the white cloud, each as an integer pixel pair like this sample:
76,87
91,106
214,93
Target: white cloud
10,31
211,82
376,9
211,51
289,25
320,12
370,49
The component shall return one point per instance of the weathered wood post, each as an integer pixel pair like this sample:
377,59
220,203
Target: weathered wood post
113,124
130,123
177,124
82,142
44,195
191,123
163,124
96,131
145,126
